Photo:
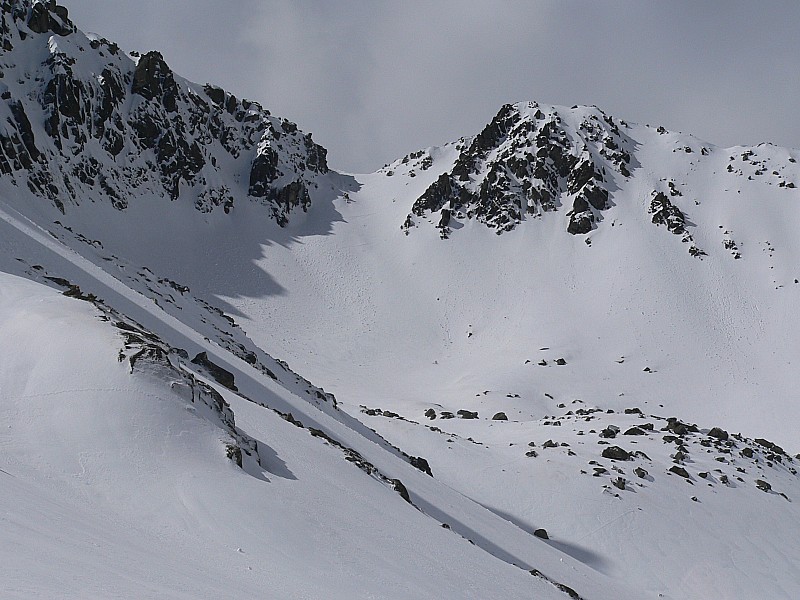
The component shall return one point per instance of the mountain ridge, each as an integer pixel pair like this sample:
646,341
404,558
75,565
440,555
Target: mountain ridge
84,118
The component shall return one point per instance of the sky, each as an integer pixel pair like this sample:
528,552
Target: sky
373,80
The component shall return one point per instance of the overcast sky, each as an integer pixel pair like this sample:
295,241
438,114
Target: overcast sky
374,80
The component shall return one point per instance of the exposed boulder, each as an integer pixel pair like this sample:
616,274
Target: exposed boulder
718,433
634,431
616,453
609,432
679,471
763,485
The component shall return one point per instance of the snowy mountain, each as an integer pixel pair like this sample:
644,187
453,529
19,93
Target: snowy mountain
82,118
555,359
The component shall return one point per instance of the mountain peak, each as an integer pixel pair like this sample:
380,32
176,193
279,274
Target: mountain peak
527,161
84,120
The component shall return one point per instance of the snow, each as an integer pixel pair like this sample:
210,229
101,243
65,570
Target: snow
117,482
114,488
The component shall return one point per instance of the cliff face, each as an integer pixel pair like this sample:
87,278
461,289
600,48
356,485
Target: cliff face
81,119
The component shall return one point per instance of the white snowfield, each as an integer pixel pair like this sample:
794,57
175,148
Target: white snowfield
115,487
610,415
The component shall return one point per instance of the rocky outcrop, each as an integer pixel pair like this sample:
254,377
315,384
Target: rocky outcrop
526,162
666,213
90,122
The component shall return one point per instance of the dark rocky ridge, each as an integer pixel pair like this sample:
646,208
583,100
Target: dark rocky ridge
89,121
527,162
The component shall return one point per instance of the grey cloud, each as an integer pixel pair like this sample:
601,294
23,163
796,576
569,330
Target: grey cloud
374,80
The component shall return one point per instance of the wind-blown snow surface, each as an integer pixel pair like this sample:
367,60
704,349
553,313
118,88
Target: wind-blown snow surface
411,323
585,277
114,487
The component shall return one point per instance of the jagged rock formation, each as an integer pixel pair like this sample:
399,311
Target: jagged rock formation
79,118
528,161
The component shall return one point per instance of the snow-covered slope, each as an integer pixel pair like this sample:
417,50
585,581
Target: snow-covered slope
116,484
567,322
705,305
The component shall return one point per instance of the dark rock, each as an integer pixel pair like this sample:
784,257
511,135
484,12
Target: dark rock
560,586
679,471
401,489
619,483
634,431
633,411
234,453
421,464
550,444
616,453
561,362
217,94
679,428
770,445
467,414
519,165
48,16
763,485
541,533
666,213
718,433
609,432
289,417
430,413
220,375
501,416
580,221
154,80
747,452
640,472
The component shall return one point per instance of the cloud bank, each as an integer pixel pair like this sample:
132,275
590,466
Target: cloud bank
374,80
